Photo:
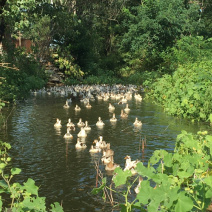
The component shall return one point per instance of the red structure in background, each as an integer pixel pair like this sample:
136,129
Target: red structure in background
22,42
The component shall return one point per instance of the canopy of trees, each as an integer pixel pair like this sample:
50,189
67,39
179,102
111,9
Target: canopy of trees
119,37
109,38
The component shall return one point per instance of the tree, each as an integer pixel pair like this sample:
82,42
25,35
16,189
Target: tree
152,27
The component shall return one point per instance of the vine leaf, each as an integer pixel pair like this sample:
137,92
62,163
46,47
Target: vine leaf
184,203
121,176
15,171
56,207
208,181
31,187
143,171
3,184
34,204
144,194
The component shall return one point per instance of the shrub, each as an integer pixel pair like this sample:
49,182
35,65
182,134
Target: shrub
188,92
178,181
22,197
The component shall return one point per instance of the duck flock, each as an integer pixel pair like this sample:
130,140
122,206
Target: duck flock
86,94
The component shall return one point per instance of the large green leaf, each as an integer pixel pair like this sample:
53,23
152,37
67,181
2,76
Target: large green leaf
121,176
143,171
15,171
183,174
209,137
145,192
56,207
0,204
159,177
208,194
3,184
184,203
153,206
208,181
171,196
30,187
34,204
168,160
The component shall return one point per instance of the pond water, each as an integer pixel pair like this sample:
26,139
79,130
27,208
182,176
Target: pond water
67,175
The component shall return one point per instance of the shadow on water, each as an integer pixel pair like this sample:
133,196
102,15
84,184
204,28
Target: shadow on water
67,175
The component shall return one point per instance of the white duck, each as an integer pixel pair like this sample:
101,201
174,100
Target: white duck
111,165
111,107
97,144
108,152
106,159
87,127
80,123
123,114
130,165
137,188
94,149
77,108
137,123
68,134
100,123
80,145
138,97
102,144
66,105
113,119
88,105
127,109
70,124
82,133
124,100
58,123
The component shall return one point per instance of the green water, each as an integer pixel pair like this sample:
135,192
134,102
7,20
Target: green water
67,175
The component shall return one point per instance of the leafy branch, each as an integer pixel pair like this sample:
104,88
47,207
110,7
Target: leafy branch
23,197
178,181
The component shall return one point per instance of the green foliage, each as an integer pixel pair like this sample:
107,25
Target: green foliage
16,15
2,104
153,27
188,49
178,181
23,197
67,65
17,81
188,92
102,79
40,33
145,78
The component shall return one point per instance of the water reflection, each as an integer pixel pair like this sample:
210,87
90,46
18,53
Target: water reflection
66,174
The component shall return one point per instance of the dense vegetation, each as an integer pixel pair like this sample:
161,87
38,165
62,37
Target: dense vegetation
178,181
112,42
17,197
188,91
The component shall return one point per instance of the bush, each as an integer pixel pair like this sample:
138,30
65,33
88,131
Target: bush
22,197
188,92
21,76
178,181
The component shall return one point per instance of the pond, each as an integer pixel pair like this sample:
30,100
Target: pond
67,175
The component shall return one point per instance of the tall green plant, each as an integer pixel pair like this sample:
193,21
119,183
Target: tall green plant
188,92
22,197
22,74
153,27
179,181
188,49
